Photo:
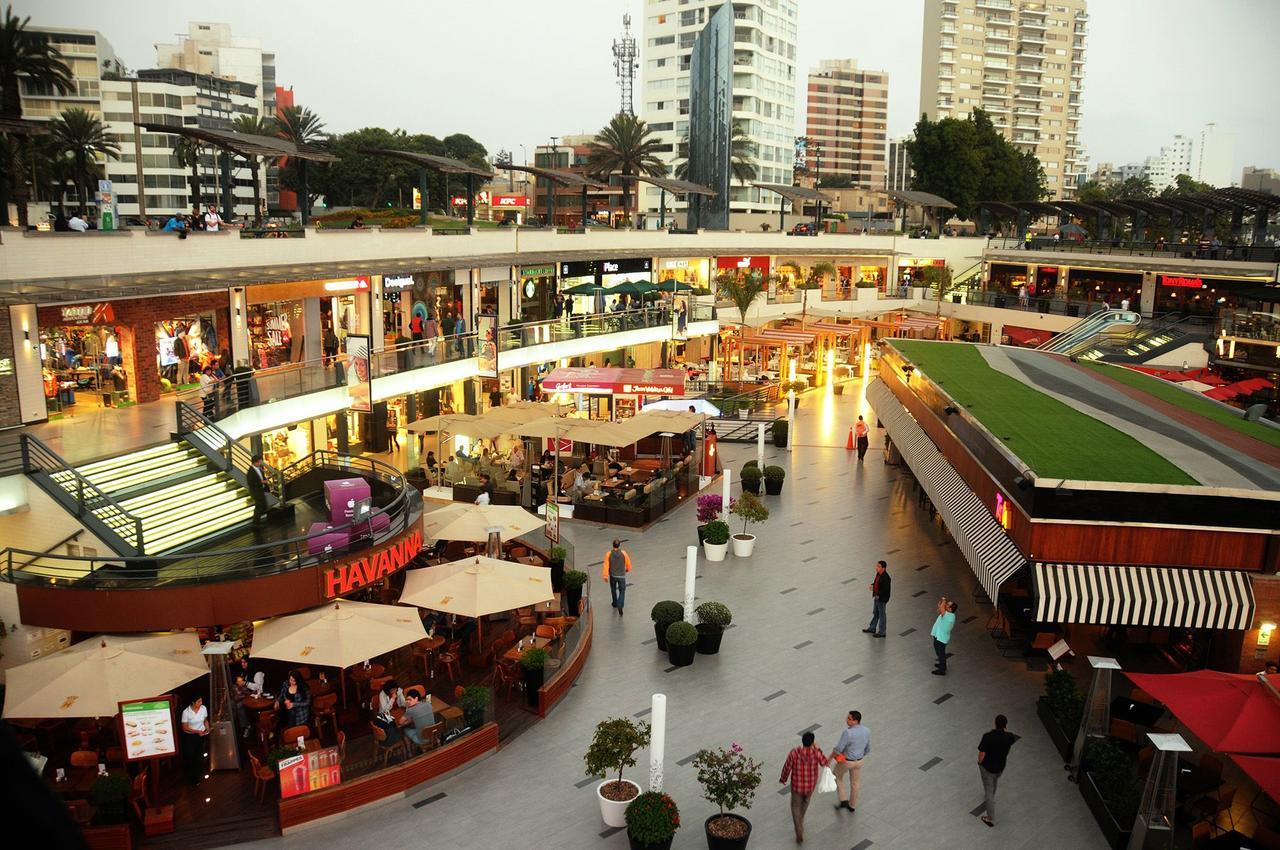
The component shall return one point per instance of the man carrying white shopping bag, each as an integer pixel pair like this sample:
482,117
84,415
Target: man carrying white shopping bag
802,767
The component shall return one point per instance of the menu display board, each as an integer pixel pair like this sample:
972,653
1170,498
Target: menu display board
148,728
309,772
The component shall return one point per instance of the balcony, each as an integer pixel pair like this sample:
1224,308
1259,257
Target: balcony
1001,5
1000,93
1029,38
996,64
995,107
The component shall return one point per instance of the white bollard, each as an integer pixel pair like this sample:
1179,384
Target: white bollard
690,576
657,740
791,421
728,474
760,445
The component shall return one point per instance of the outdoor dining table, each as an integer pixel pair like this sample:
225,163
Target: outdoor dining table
1135,711
1193,780
513,654
258,703
1234,841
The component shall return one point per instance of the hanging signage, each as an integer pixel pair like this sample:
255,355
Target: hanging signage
354,284
590,268
510,201
391,283
537,271
1182,282
359,380
147,728
309,772
88,314
743,263
602,381
375,566
482,199
487,336
552,528
675,264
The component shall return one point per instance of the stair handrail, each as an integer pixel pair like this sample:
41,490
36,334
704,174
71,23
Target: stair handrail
192,421
38,457
1093,324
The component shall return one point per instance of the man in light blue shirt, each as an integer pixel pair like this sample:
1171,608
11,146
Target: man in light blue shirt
853,746
941,633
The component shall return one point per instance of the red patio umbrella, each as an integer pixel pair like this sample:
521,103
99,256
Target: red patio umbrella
1230,712
1221,393
1265,772
1250,385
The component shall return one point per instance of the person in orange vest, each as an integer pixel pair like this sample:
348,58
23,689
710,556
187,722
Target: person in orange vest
860,433
617,563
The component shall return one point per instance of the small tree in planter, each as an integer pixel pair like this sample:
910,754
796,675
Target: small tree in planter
652,820
558,554
571,596
715,541
533,662
729,780
664,614
710,505
713,619
109,794
474,702
751,476
773,478
779,429
749,509
681,638
796,387
613,749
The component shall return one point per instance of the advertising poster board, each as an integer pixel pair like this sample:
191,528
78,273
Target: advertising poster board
552,528
359,376
148,728
309,772
487,340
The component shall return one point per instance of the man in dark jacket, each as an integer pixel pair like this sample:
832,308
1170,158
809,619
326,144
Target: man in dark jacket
257,480
880,587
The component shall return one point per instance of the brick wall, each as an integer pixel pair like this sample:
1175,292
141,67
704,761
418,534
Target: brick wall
136,319
10,413
1244,655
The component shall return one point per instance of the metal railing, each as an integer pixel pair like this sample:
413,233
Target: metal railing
200,431
591,324
1088,332
1250,324
1121,247
423,353
122,572
1010,301
85,499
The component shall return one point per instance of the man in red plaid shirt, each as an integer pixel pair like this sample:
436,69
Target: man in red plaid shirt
802,766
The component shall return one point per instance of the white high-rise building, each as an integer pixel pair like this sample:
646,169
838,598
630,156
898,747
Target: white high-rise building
1021,62
1174,159
1215,157
764,86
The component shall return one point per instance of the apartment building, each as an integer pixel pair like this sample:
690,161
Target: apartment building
764,86
1022,63
898,174
845,123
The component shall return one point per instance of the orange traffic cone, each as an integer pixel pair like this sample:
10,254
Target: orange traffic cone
849,443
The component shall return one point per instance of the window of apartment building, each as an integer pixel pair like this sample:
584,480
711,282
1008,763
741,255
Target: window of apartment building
662,40
661,127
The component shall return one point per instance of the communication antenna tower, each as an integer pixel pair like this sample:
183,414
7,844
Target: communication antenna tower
625,64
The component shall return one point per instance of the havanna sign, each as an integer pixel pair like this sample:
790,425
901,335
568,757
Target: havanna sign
341,579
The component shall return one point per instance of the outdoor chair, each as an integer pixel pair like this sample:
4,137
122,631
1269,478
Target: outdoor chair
376,683
324,708
342,746
1211,809
383,750
84,759
289,737
506,679
155,820
449,660
262,776
266,729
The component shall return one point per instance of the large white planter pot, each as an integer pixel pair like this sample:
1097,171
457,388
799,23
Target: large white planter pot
743,545
715,551
613,813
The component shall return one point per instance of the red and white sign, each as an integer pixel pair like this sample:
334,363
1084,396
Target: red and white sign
390,559
510,201
88,314
1182,282
482,199
599,381
743,262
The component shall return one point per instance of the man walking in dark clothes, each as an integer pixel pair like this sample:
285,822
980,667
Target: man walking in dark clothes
880,587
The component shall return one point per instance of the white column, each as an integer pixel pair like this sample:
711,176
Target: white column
690,576
312,330
760,445
239,335
791,420
657,740
728,474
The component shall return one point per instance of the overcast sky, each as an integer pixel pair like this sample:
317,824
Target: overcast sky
512,72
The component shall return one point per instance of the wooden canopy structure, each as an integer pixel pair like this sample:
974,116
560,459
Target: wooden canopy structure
564,178
442,164
796,195
675,187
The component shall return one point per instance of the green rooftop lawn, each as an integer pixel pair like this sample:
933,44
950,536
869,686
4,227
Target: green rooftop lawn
1052,438
1166,391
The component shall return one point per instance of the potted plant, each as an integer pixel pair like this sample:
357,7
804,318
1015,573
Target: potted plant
533,662
779,429
681,638
709,507
751,476
571,596
279,754
664,614
729,780
1060,710
613,749
773,478
652,820
713,619
474,702
109,794
558,554
715,541
749,509
796,387
1111,788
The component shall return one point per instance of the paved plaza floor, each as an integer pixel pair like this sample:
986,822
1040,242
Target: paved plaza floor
796,659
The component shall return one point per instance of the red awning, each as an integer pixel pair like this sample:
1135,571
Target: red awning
1220,393
1250,385
1230,712
1026,337
601,381
1265,772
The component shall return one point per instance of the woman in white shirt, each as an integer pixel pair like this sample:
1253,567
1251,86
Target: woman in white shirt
390,696
195,728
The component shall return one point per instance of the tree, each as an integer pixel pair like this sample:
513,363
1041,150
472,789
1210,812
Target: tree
1133,187
187,152
26,59
1183,184
79,135
625,146
742,156
837,181
255,125
939,278
304,128
1092,190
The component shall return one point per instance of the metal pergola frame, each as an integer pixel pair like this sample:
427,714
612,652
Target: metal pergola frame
796,195
444,165
675,187
564,178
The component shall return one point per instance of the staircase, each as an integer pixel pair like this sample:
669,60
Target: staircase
171,492
1092,330
1143,343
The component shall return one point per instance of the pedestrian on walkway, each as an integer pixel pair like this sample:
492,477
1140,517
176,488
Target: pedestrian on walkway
849,751
880,587
941,633
993,753
801,767
860,433
617,563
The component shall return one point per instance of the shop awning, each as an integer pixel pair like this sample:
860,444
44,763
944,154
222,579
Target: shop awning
842,330
600,381
1229,712
1113,595
788,337
992,556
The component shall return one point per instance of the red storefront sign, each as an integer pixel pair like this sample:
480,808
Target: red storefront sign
1182,282
510,201
601,381
375,566
88,314
754,262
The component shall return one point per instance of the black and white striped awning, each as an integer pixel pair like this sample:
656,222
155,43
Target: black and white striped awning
993,557
1112,595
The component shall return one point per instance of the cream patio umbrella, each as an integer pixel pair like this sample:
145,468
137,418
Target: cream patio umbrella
90,678
476,587
476,522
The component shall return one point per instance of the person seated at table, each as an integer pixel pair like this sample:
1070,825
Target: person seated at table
294,701
453,469
240,691
432,466
516,459
567,479
615,468
391,695
253,679
417,715
582,483
548,460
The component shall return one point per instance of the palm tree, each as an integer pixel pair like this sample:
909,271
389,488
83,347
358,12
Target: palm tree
255,125
303,127
30,55
187,152
625,146
79,135
743,289
742,156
